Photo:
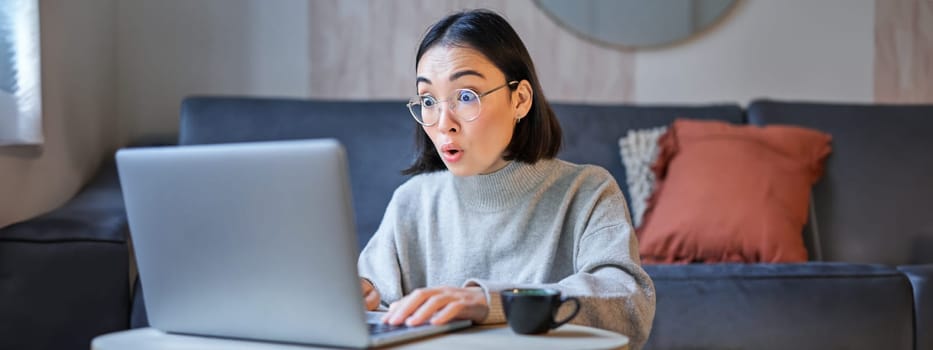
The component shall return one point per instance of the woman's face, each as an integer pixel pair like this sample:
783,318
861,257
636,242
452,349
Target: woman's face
470,147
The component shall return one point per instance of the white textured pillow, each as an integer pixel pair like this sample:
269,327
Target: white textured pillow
639,149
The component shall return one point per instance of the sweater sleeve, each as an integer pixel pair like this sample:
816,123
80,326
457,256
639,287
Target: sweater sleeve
379,262
614,291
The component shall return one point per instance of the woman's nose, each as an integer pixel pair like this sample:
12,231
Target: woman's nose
447,120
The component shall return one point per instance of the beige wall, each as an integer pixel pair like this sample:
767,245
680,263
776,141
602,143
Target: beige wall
904,51
169,49
357,49
80,126
366,49
116,70
788,49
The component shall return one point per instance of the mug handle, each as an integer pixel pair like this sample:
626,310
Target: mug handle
572,314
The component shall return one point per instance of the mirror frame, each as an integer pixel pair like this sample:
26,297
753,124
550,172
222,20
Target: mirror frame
722,18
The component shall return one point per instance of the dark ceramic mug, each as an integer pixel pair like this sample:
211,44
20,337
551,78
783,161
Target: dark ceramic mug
532,311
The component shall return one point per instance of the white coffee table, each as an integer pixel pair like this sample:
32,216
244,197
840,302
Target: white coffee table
486,337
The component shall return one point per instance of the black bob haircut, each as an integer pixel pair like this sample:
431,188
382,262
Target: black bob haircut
538,135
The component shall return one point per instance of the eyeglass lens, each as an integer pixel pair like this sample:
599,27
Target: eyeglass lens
465,106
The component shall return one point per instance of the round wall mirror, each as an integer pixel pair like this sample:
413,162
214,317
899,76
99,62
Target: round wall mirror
634,24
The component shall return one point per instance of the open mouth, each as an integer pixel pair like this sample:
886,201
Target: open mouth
451,152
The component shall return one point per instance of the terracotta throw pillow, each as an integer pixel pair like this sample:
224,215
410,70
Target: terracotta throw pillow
730,193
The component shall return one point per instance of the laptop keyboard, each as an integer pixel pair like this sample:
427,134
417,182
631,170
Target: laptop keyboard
380,328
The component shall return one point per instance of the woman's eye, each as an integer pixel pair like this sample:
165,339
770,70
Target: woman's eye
428,101
467,96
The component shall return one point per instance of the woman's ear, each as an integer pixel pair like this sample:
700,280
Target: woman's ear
525,95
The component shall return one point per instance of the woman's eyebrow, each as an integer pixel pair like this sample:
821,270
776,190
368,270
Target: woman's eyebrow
453,77
459,74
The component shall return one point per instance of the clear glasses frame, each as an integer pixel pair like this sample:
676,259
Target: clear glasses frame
466,106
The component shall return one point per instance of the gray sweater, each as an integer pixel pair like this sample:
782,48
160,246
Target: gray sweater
552,224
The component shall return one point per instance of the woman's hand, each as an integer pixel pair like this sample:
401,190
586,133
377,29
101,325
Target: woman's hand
438,305
370,295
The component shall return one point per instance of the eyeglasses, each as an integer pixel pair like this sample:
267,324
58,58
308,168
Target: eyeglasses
466,105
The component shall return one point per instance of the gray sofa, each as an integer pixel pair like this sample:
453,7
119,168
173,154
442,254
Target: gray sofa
870,209
866,285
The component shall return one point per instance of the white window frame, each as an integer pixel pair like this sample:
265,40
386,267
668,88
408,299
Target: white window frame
21,87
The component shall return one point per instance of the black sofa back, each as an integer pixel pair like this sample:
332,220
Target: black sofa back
381,142
875,202
871,206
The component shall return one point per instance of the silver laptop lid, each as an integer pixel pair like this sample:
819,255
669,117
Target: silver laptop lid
249,240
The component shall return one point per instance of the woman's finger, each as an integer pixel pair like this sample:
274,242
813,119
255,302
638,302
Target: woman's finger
388,314
428,308
449,312
365,286
408,305
372,300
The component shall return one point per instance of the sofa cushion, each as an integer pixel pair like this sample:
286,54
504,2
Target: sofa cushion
781,306
591,132
60,295
874,203
731,193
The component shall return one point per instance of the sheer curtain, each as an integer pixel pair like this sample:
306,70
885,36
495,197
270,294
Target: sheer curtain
20,83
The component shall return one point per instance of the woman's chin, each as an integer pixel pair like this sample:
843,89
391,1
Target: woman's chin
460,170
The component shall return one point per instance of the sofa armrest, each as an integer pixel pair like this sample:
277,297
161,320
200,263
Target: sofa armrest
921,279
96,213
64,275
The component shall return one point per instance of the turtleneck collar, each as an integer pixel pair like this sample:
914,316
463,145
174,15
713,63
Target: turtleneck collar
504,187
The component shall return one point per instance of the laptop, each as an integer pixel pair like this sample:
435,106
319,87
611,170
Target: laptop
251,241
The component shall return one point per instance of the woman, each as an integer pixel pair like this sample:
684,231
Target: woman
490,208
